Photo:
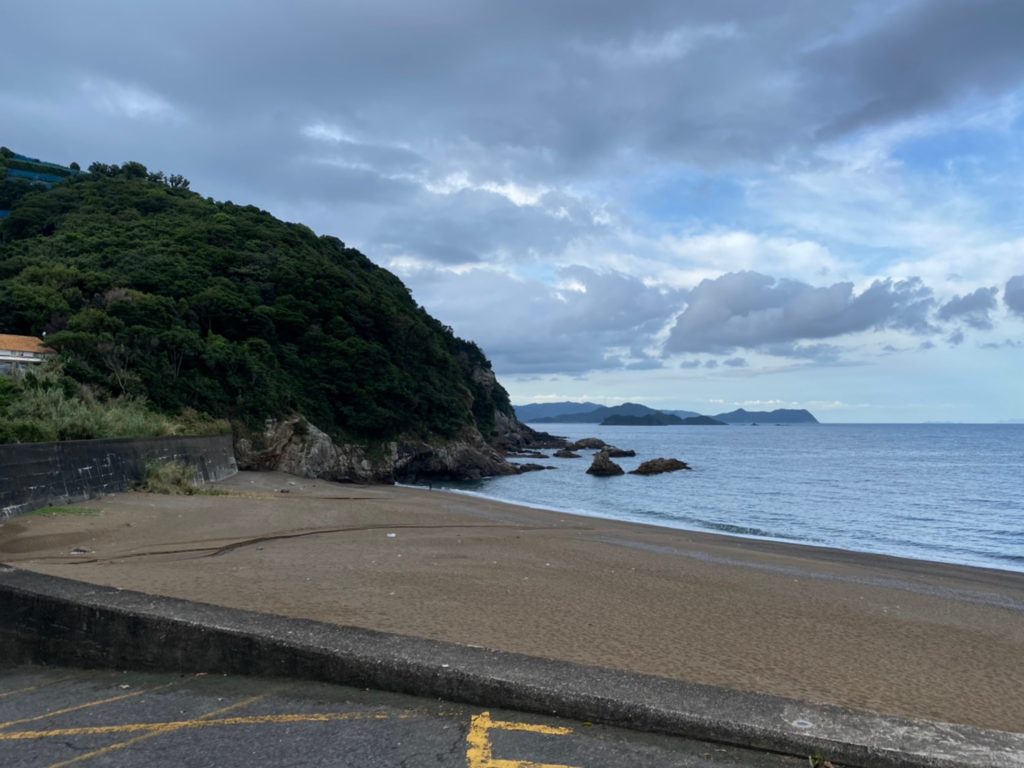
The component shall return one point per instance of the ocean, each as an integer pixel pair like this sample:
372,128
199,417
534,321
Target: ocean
947,492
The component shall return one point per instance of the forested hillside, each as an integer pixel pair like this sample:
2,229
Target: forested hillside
148,289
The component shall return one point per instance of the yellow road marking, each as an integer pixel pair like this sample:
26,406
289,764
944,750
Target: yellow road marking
78,707
162,729
31,688
203,722
480,753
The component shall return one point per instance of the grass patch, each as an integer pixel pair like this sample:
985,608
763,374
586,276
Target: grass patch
174,478
57,511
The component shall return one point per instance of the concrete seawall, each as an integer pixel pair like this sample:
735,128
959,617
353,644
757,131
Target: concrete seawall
34,475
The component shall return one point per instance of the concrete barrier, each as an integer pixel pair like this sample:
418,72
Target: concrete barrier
35,475
44,619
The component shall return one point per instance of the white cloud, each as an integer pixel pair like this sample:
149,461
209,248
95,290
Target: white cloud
327,132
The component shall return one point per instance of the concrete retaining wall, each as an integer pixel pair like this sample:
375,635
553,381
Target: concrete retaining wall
34,475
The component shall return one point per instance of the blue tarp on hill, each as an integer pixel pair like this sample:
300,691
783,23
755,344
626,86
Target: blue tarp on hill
46,178
37,161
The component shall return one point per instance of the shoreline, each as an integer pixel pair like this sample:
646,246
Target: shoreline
637,520
872,632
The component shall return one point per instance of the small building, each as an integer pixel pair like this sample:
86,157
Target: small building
19,352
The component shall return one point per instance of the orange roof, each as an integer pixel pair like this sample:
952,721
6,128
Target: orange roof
24,344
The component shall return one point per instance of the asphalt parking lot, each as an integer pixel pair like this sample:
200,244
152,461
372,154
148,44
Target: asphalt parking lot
57,717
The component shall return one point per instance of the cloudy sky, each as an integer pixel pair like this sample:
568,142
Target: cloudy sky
696,205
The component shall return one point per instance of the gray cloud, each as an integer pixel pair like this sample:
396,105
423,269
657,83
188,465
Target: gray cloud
918,58
474,225
1005,344
972,309
520,92
820,353
689,364
526,327
648,364
1013,295
735,362
750,310
956,338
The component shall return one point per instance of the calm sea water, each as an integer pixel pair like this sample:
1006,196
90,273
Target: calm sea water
952,493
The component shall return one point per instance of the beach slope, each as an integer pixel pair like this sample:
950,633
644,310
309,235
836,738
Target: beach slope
889,635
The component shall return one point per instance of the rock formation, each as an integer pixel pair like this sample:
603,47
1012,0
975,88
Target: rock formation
565,453
658,466
619,453
295,446
603,466
588,443
522,468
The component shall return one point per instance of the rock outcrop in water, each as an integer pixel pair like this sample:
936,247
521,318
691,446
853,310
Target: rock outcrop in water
588,443
619,453
659,466
603,466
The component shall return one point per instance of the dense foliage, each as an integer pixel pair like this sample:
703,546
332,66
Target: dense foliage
45,405
149,290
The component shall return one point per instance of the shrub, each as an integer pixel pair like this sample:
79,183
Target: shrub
169,477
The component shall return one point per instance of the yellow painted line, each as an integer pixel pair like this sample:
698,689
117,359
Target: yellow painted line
204,722
87,705
166,728
31,688
480,753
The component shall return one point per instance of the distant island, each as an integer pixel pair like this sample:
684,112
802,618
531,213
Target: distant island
645,420
636,414
659,420
599,413
702,421
778,416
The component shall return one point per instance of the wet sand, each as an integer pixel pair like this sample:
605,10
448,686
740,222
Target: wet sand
891,635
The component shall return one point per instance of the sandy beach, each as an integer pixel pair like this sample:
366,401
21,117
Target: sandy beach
897,636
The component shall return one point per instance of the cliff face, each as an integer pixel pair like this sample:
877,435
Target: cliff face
295,446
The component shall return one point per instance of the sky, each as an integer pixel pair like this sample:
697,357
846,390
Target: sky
700,205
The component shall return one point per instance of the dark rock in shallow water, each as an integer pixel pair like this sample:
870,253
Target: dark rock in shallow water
658,466
521,468
619,453
537,439
527,455
603,466
588,442
565,453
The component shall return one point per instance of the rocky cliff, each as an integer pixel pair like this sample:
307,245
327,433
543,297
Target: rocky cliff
295,446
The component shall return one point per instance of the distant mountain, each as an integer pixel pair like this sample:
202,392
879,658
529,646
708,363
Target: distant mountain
702,421
779,416
645,420
598,414
534,411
